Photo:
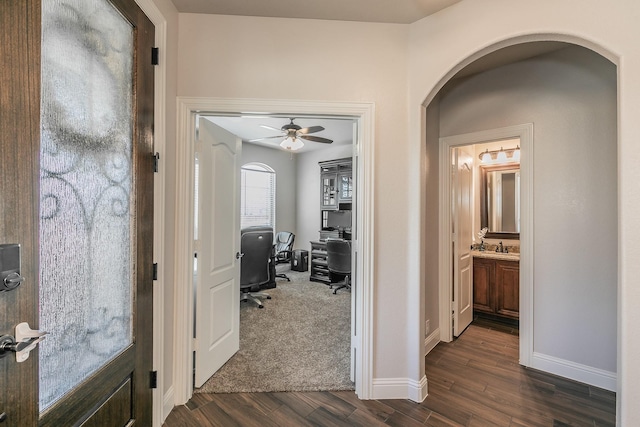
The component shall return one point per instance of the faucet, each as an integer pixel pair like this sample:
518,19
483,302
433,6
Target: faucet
501,248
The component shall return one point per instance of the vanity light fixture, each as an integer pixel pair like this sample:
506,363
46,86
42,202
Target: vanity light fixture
501,155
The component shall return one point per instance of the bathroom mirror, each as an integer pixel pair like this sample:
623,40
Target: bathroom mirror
500,201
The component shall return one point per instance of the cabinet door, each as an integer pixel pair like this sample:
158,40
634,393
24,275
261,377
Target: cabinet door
482,277
328,191
507,284
345,187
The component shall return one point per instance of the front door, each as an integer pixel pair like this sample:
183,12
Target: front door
76,192
217,243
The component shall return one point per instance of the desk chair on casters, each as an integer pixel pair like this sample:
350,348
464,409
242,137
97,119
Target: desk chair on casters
339,263
283,245
256,246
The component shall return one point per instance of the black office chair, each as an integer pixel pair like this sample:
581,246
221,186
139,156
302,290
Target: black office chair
256,246
283,249
339,263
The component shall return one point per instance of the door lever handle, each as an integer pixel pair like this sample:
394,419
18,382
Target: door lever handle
26,340
24,334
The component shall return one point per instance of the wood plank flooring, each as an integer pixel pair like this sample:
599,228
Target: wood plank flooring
473,381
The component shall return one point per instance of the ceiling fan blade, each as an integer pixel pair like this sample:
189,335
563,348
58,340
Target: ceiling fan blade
316,139
266,137
271,128
310,129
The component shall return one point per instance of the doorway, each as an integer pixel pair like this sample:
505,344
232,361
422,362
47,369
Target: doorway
523,134
475,103
361,240
485,197
275,352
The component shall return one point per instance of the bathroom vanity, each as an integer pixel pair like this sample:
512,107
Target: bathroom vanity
496,284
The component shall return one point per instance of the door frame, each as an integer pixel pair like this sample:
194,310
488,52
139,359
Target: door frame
363,113
445,260
161,407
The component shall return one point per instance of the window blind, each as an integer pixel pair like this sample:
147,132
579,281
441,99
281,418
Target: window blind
258,196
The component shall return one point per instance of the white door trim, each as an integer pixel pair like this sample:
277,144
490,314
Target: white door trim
525,133
187,108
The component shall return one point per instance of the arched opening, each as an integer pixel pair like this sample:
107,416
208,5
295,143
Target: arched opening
568,91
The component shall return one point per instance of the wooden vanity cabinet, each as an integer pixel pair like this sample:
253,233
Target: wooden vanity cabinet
483,273
507,289
496,287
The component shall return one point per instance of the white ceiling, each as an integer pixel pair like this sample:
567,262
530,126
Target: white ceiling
391,11
249,127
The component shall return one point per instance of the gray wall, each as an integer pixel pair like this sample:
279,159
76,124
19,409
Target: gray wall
297,187
570,97
285,167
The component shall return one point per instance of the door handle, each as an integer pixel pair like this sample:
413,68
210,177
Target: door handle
26,339
239,255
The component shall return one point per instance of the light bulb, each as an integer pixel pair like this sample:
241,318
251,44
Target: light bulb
516,155
502,155
486,157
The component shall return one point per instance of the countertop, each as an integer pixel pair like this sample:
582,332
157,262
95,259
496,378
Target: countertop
511,256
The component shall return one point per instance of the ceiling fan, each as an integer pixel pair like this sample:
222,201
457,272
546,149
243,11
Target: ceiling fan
294,134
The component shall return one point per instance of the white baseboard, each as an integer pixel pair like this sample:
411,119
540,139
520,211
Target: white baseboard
575,371
431,341
168,402
400,388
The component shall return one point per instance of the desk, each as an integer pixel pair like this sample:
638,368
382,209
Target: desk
319,269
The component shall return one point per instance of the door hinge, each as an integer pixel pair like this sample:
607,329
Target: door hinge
154,379
154,56
155,271
156,162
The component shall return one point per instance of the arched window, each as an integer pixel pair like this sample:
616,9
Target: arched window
257,195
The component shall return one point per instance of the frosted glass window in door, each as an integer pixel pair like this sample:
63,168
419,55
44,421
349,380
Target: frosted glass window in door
86,228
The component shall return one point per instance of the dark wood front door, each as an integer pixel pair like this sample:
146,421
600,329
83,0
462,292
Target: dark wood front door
37,188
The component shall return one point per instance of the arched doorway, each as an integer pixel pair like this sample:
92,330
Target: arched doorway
468,100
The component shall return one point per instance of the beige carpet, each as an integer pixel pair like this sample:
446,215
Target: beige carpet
299,341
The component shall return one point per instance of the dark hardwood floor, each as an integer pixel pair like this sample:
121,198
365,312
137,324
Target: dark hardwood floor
473,381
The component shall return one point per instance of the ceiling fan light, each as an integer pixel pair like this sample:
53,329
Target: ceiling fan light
292,144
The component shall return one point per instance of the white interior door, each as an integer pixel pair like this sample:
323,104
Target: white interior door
462,238
217,243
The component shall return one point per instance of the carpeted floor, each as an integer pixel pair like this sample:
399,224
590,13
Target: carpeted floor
299,341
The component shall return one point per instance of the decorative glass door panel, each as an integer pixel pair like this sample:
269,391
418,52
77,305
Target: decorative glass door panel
329,193
345,186
86,205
